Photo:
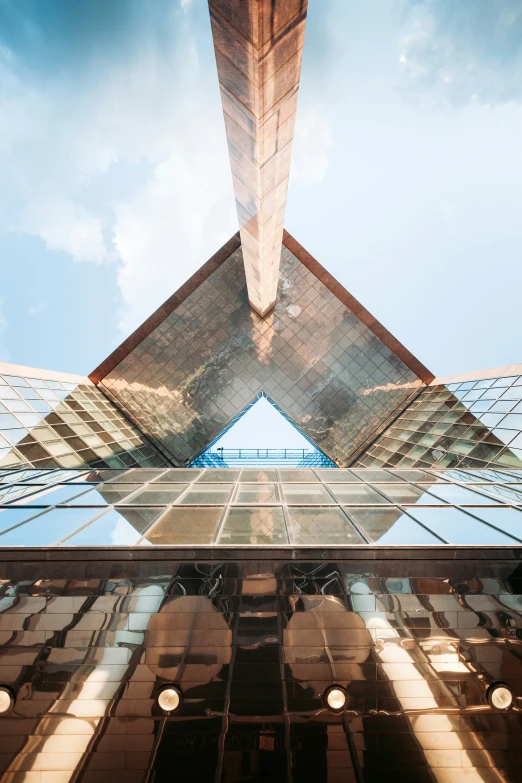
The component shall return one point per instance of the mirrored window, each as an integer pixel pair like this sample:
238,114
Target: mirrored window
457,527
184,526
257,493
256,526
307,494
321,527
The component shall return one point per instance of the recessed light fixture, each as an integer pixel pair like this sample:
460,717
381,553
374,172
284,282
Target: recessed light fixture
335,698
169,698
500,696
7,700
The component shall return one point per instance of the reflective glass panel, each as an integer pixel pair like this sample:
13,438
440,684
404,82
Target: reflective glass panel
257,493
217,474
391,526
508,519
158,495
459,495
456,527
112,493
321,526
401,493
179,475
259,526
261,474
13,516
185,526
51,496
297,475
48,528
338,474
375,475
307,494
122,527
206,494
357,494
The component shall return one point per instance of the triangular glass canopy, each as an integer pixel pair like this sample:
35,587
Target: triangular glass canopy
262,436
192,368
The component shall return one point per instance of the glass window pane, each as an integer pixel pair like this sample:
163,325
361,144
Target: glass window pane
179,475
185,526
309,494
48,528
113,493
457,527
206,494
321,527
51,496
297,475
459,495
122,527
338,474
217,474
357,494
402,493
13,516
508,519
159,495
144,474
375,475
263,474
391,526
257,526
257,493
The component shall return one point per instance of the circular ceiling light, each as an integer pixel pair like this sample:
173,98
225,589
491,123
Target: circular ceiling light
6,700
335,698
169,698
500,696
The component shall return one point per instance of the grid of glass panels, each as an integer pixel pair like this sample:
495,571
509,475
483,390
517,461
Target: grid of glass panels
256,507
322,367
473,424
50,424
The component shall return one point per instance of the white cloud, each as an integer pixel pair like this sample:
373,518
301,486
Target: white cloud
63,138
463,52
313,141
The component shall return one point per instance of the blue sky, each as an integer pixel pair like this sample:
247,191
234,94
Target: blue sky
405,181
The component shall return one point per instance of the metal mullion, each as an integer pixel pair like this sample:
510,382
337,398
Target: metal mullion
82,527
463,485
152,524
346,514
465,510
433,533
284,506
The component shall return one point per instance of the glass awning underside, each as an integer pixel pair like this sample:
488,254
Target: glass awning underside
256,507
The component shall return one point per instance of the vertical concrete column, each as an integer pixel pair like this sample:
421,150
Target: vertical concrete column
258,46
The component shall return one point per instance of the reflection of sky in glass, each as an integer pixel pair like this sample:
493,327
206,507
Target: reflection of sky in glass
48,528
50,497
114,529
456,527
390,526
508,519
459,495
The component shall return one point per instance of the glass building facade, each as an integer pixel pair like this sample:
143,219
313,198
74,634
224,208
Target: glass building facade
466,424
313,356
275,507
53,420
348,614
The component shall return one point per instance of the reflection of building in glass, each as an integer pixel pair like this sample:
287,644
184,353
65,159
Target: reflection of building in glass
384,562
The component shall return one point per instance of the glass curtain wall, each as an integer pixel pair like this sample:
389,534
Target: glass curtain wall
471,424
